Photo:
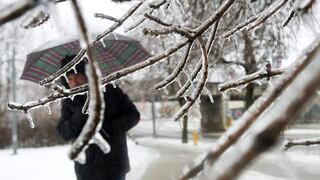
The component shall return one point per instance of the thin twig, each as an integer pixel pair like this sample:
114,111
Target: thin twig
16,10
36,20
96,95
271,10
301,142
153,8
104,16
262,73
202,81
177,70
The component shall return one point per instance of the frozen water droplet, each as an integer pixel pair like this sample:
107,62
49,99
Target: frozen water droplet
103,43
101,143
48,108
30,119
115,35
114,84
179,82
65,77
166,91
190,117
225,94
198,101
58,101
209,94
197,109
72,97
81,159
104,89
75,70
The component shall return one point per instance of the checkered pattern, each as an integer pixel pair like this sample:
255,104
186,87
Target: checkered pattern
118,52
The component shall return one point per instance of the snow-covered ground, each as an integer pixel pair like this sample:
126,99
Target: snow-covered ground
163,158
52,163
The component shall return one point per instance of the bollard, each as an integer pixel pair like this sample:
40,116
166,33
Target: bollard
195,137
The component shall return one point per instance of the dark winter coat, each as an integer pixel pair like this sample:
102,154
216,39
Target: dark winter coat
120,116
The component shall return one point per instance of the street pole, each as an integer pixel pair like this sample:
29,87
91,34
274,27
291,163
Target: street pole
13,113
153,119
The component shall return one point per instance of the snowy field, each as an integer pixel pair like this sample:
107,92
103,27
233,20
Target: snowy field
52,163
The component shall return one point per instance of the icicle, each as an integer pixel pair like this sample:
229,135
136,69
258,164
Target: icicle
103,43
104,88
179,82
180,5
209,94
166,91
75,70
114,84
101,143
115,35
189,79
190,117
225,94
81,159
48,108
72,97
197,109
198,101
122,82
30,119
65,77
58,101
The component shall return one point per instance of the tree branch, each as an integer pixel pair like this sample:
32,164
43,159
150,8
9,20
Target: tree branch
262,73
301,142
259,106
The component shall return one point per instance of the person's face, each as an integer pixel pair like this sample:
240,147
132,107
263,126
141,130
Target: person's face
75,80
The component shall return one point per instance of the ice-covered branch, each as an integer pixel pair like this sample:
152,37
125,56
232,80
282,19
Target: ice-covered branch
264,133
177,70
169,30
96,95
108,79
260,105
195,72
240,26
302,6
262,73
202,81
288,19
82,52
16,10
301,142
266,14
153,7
35,20
104,16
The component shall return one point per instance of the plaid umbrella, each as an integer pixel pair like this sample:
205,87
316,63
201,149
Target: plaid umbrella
115,52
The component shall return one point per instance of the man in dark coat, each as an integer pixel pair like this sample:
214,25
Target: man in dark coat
120,116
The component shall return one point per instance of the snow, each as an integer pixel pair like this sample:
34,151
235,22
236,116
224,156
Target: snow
52,163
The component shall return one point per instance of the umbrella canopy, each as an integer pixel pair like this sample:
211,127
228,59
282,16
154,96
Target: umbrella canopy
115,52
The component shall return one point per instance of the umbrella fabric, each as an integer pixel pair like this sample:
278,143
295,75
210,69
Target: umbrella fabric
115,52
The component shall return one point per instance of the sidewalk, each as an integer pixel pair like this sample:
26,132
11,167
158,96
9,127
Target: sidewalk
173,156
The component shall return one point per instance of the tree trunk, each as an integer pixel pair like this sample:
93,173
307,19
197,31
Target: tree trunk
250,67
249,95
184,124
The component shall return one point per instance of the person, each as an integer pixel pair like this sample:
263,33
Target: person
120,115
